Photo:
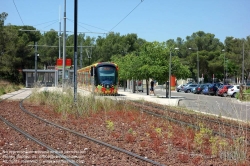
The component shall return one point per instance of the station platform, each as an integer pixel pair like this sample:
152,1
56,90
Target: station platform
173,101
25,92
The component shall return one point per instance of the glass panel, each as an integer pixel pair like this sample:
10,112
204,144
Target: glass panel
106,75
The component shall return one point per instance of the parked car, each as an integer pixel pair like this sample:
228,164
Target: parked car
212,88
199,88
217,91
248,84
188,88
205,90
193,90
223,90
233,90
179,87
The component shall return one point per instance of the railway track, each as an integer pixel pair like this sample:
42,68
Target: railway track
67,145
59,140
222,127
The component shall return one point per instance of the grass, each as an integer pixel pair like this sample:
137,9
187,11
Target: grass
115,114
63,102
7,87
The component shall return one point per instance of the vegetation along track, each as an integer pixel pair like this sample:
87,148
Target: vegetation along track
70,146
13,94
128,128
219,126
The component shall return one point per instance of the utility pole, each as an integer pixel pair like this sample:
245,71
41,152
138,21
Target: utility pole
64,43
35,78
59,34
75,49
243,63
81,56
198,67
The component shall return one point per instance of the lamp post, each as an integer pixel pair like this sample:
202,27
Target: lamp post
35,78
169,90
243,63
198,68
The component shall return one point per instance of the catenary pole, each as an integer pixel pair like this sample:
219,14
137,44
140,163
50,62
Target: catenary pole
35,78
64,43
75,49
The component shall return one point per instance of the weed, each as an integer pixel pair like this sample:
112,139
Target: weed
158,131
214,145
110,125
202,135
170,131
131,131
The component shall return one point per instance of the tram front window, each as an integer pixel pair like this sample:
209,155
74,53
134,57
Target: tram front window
106,75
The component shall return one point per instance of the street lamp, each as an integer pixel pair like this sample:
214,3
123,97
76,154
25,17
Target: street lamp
169,90
243,62
197,63
35,80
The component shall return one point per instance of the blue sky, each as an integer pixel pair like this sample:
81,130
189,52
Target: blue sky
152,20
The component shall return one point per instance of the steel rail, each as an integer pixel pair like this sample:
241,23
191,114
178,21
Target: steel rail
90,138
38,142
187,124
209,120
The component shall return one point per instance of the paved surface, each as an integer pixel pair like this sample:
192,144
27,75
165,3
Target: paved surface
173,101
25,92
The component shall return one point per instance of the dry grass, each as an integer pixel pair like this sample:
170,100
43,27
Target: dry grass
7,87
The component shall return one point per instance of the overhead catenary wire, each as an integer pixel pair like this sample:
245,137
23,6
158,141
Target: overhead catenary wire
79,25
92,26
126,15
18,12
114,26
89,31
51,24
45,22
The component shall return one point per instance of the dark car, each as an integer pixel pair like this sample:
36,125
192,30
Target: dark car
223,91
188,88
212,88
199,88
205,90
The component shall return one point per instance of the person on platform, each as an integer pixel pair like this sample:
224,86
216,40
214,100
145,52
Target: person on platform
152,85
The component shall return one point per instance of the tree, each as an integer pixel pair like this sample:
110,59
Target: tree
3,17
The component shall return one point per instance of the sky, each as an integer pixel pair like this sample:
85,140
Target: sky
152,20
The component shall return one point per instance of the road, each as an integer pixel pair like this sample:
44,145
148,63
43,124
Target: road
216,105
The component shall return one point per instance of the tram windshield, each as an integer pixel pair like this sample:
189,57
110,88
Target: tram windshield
106,75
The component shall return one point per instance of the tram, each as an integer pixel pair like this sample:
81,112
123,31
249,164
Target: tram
101,78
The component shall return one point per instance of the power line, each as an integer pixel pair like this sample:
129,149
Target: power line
80,25
18,12
45,23
127,15
93,26
50,24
